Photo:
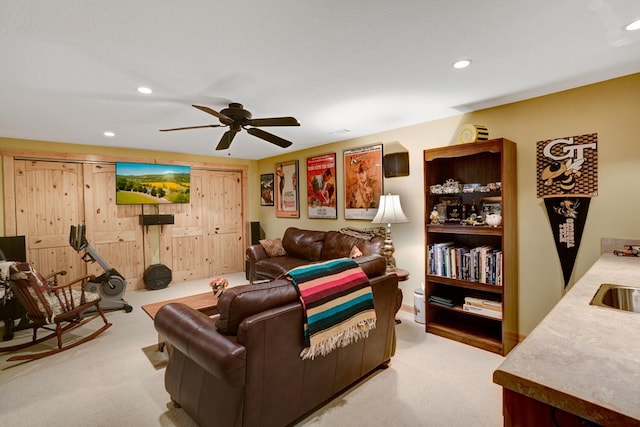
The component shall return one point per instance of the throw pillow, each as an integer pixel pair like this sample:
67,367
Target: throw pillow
273,247
355,252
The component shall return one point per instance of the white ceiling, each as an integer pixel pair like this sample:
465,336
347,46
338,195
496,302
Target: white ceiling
70,68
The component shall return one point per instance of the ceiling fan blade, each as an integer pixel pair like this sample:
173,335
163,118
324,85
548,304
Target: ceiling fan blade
226,139
224,119
269,137
275,121
191,127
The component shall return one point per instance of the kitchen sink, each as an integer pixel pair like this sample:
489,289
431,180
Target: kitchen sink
619,297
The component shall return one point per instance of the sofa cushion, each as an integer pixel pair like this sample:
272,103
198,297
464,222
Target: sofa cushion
276,267
339,245
240,302
273,247
305,244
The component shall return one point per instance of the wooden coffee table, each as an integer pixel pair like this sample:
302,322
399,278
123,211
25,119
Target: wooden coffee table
205,303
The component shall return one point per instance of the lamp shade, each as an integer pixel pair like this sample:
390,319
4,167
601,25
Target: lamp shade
390,210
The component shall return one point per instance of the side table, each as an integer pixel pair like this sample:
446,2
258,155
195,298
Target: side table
205,303
402,276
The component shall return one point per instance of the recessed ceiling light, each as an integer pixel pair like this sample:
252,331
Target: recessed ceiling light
109,134
144,90
463,63
635,25
340,132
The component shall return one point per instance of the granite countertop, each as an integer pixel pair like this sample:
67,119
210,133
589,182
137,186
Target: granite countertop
582,358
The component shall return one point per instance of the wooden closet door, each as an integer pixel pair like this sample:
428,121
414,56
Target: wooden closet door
207,237
49,199
114,231
224,236
182,244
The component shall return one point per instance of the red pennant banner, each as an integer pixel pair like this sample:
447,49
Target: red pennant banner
567,215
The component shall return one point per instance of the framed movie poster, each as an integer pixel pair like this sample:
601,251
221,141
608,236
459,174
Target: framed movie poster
286,189
321,187
266,189
363,181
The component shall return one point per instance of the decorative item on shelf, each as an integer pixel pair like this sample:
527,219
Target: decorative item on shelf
450,200
451,186
470,188
442,212
483,189
471,216
218,285
389,212
454,213
473,133
493,219
492,206
434,217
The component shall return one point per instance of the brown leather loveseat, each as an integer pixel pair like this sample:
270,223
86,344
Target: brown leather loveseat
309,246
244,368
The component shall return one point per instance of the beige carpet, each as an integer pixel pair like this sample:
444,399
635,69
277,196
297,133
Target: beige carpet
117,380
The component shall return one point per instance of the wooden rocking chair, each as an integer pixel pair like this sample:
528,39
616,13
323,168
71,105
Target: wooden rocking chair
51,303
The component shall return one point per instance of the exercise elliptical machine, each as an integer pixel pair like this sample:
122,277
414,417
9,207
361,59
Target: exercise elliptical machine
110,285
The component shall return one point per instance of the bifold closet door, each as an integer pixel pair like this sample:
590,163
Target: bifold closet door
48,199
207,237
114,231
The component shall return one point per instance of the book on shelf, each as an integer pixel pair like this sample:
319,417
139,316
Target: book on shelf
484,303
449,302
497,268
482,264
483,311
437,258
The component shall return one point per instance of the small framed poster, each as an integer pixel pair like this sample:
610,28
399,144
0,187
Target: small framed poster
286,190
321,187
363,181
491,205
266,189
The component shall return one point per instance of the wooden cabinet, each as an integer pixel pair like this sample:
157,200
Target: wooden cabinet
469,261
522,411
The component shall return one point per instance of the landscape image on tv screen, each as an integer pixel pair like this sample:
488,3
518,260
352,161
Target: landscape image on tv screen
144,184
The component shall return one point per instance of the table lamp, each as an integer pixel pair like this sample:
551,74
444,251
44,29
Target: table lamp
389,212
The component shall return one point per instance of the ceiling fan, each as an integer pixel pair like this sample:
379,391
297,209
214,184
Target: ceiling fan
236,118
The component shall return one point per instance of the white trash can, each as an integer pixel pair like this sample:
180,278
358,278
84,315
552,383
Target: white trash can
418,305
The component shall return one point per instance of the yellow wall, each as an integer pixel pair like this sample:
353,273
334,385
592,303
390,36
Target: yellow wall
608,108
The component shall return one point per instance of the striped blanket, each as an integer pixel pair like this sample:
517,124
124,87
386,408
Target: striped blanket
338,303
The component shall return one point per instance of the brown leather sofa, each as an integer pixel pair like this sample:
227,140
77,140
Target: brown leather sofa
244,368
309,246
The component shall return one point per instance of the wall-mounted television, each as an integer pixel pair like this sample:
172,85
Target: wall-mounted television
151,184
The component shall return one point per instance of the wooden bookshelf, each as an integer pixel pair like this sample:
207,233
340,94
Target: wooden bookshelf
483,163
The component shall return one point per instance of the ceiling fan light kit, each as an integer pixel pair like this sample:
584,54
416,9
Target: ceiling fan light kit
237,118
